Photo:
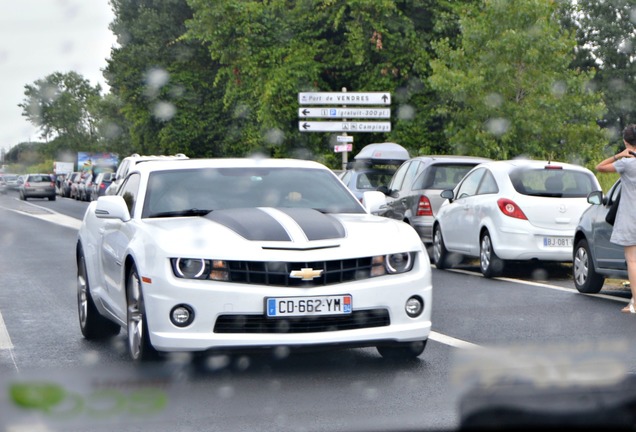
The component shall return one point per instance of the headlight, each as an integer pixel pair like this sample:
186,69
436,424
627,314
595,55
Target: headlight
392,263
199,268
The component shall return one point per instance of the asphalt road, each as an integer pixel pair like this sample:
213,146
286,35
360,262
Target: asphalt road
533,313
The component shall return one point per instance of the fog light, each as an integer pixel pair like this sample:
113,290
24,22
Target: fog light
181,315
414,306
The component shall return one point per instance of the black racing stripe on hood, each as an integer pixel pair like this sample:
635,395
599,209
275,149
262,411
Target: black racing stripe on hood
316,225
251,224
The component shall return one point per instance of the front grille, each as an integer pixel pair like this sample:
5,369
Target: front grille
262,324
277,273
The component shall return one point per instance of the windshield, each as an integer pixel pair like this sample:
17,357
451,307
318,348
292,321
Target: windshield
170,193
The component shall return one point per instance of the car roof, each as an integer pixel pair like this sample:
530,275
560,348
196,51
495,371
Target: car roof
383,151
507,165
451,158
174,164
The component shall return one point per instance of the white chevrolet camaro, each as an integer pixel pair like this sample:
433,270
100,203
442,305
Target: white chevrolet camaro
207,255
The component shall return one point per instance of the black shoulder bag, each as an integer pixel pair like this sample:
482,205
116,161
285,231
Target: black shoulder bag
610,217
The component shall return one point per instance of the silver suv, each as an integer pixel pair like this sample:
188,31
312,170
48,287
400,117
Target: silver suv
129,163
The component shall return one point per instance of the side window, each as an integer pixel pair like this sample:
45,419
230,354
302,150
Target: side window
470,184
129,191
411,173
488,184
396,181
121,171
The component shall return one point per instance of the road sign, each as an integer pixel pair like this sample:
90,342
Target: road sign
344,98
343,148
343,126
329,112
344,138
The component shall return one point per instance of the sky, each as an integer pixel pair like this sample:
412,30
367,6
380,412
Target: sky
41,37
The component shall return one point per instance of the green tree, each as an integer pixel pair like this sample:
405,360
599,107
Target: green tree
507,89
63,107
162,84
607,42
269,51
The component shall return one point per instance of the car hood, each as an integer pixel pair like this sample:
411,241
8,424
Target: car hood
251,233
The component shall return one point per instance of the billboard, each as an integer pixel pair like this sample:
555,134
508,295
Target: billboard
97,162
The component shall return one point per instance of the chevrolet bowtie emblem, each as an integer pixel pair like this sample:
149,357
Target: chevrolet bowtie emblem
305,273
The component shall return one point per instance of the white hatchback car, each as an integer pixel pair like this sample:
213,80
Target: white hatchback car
227,254
514,210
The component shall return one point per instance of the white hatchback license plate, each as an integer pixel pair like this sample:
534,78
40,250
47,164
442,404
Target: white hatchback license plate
308,306
557,241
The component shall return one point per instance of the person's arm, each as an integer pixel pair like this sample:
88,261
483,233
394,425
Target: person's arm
607,165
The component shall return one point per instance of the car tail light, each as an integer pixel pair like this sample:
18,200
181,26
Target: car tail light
26,184
424,206
102,186
509,208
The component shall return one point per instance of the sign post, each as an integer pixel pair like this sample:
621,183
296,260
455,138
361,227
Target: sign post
353,105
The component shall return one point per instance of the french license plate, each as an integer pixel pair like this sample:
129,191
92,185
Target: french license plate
308,306
557,241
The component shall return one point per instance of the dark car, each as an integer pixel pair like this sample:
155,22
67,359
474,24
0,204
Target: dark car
413,195
100,184
595,258
372,167
38,186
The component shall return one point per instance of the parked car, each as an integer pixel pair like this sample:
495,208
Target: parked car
101,183
68,183
75,186
595,258
373,166
128,163
223,254
515,210
85,187
11,181
59,183
413,194
38,186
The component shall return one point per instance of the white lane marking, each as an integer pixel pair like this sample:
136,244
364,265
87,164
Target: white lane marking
50,216
5,339
451,341
544,285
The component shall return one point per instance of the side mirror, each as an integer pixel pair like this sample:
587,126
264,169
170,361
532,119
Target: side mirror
383,189
373,201
596,198
112,207
447,194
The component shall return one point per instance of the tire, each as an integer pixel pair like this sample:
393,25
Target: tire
440,253
92,324
489,263
402,350
586,279
52,198
139,346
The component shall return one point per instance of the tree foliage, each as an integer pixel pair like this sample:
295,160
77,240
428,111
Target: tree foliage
507,90
607,42
63,106
163,84
269,51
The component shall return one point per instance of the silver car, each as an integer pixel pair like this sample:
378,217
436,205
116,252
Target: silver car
38,186
413,195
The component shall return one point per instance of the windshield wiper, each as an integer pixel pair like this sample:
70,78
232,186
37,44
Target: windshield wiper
184,212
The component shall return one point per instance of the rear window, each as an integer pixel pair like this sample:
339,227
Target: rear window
444,176
372,179
560,183
40,178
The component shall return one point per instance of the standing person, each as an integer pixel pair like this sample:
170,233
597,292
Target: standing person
624,232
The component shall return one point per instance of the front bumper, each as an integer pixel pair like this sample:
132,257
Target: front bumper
235,301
